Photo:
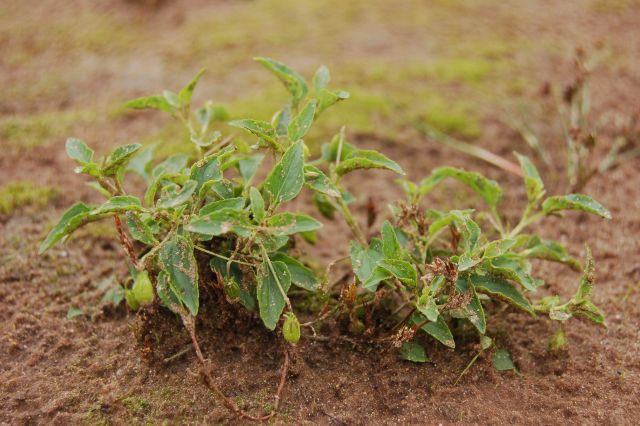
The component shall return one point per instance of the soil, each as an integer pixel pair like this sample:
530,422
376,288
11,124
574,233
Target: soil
108,365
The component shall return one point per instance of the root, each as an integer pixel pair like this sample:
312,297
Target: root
189,323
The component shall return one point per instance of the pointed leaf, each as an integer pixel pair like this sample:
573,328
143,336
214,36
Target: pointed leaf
575,202
257,204
119,158
187,92
515,268
180,197
301,276
293,81
229,203
78,151
301,124
205,170
414,352
367,159
364,261
220,222
287,177
292,223
402,270
261,129
473,311
439,330
271,285
65,225
177,260
532,180
497,286
150,102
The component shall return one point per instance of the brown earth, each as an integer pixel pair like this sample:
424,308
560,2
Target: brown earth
93,370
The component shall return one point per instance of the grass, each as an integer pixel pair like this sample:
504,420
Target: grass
19,194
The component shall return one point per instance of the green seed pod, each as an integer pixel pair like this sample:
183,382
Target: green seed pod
142,289
291,328
132,302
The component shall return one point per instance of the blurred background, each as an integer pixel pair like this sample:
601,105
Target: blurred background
465,68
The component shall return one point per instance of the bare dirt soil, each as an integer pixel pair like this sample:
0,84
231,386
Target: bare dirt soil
107,366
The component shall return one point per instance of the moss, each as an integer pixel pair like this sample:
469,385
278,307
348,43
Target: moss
30,131
614,6
136,404
460,70
16,195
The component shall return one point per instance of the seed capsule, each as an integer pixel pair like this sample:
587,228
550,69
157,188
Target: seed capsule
142,289
291,328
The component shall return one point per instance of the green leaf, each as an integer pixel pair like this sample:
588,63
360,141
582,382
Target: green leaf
532,180
473,311
79,151
496,286
249,165
165,293
119,203
321,78
301,124
574,202
234,277
502,360
390,245
181,197
292,223
281,120
205,170
150,102
141,163
413,352
261,129
257,204
220,222
549,250
402,270
119,158
366,159
177,260
439,330
271,285
69,221
364,261
74,312
515,268
287,177
229,203
293,81
327,98
187,92
587,280
376,277
315,179
488,189
174,164
301,276
139,230
486,342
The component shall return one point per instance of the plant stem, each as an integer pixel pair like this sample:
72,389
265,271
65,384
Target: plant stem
228,259
348,216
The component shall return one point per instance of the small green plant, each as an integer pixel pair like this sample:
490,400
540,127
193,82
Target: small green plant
437,267
214,208
213,219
